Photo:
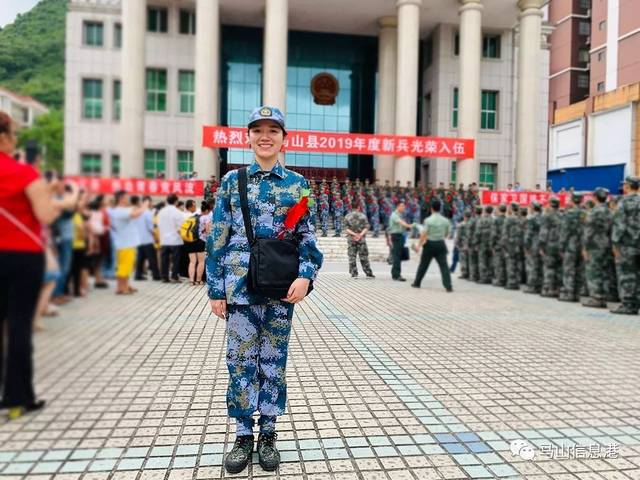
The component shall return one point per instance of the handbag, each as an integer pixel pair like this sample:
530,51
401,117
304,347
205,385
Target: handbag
273,263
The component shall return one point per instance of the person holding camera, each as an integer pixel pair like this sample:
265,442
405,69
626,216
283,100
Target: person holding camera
253,211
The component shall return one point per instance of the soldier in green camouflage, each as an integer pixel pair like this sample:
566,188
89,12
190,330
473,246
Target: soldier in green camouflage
533,260
483,231
596,250
462,232
512,240
499,265
473,243
523,264
550,249
357,226
625,236
571,253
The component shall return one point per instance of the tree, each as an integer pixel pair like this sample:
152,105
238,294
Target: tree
48,131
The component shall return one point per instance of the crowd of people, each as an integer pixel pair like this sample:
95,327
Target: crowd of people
589,251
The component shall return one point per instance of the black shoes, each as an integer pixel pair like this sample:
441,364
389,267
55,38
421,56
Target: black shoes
415,285
371,276
354,275
400,279
238,458
268,454
624,310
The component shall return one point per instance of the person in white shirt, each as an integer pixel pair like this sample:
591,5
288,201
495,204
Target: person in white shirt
170,220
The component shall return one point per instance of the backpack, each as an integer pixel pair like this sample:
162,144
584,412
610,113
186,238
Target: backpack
189,229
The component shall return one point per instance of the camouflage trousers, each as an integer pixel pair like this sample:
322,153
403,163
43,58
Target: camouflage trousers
324,223
375,225
474,265
628,271
499,269
597,273
513,263
337,224
485,265
573,274
257,347
551,272
533,266
464,263
360,249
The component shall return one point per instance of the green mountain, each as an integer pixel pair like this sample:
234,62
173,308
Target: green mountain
32,53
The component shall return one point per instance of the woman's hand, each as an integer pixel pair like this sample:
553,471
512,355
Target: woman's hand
219,308
297,290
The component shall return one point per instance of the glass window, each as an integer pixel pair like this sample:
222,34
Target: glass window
601,86
117,94
187,22
117,35
456,44
585,3
115,165
185,163
487,175
92,98
156,90
157,20
491,46
583,80
584,28
186,90
583,55
454,110
93,34
155,162
454,171
602,25
91,164
489,110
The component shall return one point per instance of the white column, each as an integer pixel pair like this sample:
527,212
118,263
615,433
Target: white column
407,81
133,88
207,79
470,52
387,63
274,60
528,91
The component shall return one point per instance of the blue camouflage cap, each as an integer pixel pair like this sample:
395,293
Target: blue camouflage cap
266,112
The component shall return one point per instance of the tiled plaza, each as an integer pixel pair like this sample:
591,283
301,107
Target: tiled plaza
384,381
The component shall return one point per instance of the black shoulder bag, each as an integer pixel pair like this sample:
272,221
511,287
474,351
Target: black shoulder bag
273,264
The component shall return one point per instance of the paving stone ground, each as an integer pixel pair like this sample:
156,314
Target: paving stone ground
384,382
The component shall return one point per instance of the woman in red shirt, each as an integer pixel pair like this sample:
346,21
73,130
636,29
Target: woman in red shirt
25,204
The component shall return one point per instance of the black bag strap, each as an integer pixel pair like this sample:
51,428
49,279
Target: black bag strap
244,203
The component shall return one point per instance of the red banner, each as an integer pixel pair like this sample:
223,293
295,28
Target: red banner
140,186
355,143
490,197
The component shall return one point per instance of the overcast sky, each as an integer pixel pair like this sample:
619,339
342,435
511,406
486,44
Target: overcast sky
9,9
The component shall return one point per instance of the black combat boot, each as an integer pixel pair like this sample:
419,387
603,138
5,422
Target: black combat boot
593,303
239,456
267,452
625,310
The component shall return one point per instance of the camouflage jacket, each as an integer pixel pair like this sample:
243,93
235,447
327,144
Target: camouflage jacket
571,229
496,231
626,222
483,233
271,195
532,233
596,232
471,227
461,234
549,238
512,235
356,221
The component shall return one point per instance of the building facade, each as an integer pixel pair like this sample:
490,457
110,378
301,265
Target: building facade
23,110
142,78
599,125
